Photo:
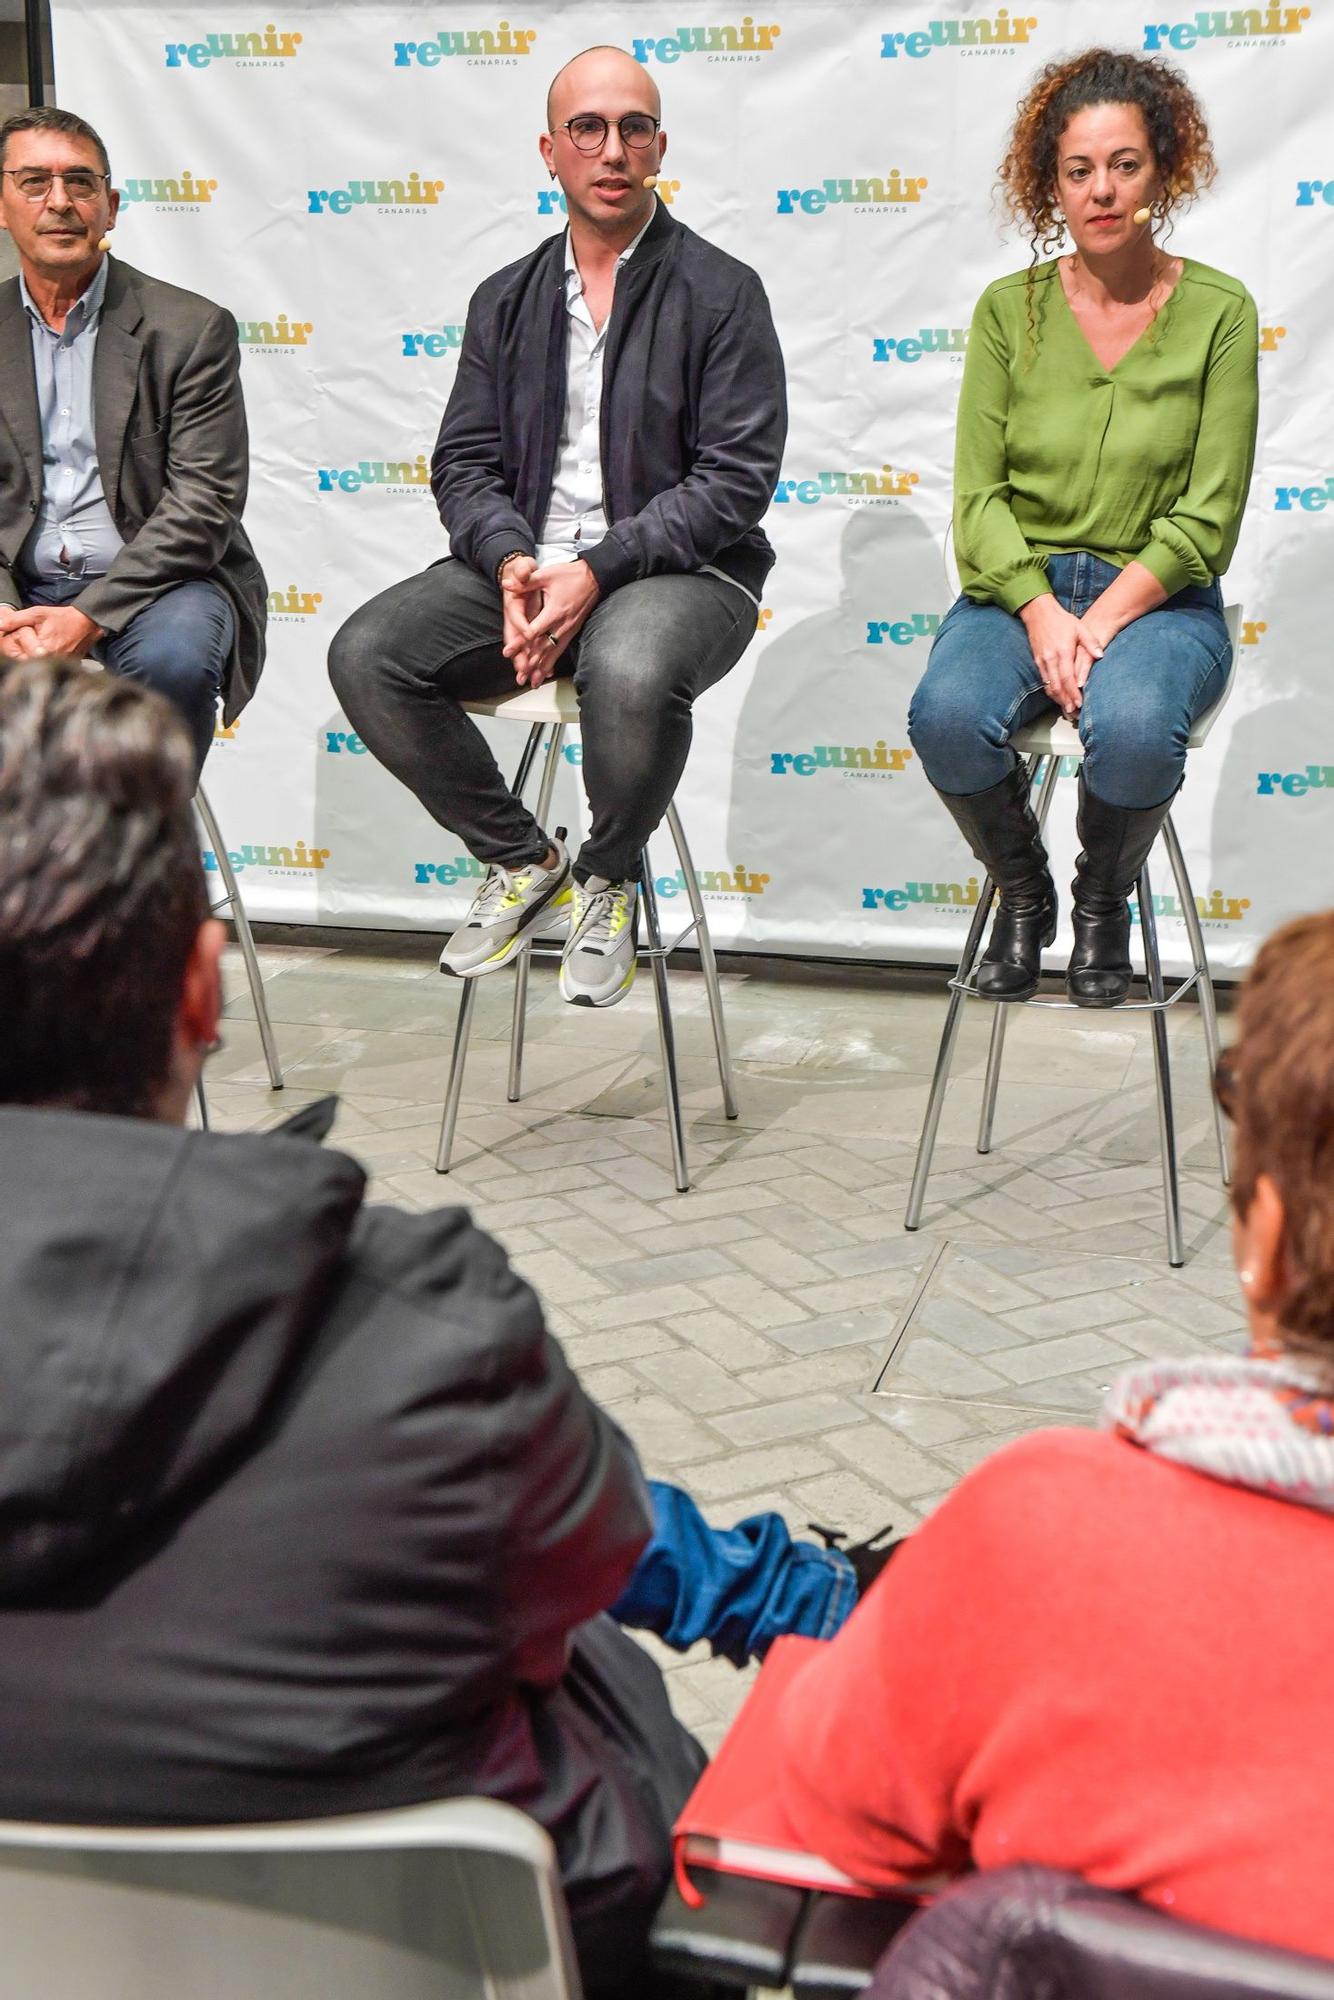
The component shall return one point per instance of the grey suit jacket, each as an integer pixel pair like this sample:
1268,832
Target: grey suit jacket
172,449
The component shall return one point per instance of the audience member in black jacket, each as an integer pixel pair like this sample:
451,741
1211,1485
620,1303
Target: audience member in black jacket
301,1509
611,444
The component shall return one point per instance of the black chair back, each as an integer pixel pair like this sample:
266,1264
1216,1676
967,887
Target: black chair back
1032,1933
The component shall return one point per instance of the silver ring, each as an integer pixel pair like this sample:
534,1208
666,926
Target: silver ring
552,640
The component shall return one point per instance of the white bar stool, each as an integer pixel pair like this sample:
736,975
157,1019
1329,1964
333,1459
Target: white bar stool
556,707
230,902
1044,744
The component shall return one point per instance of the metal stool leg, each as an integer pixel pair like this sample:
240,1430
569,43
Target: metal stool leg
1153,973
1204,985
666,1037
926,1145
708,964
1001,1019
244,938
519,1016
454,1088
468,999
999,1022
201,1104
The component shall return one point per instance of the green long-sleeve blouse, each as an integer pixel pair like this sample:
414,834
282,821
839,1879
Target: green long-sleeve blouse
1149,461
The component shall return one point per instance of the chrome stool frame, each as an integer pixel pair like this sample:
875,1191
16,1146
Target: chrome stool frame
555,707
230,902
1044,744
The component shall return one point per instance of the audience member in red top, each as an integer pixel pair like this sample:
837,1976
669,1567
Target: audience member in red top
1110,1652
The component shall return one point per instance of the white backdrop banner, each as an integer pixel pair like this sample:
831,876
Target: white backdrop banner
340,178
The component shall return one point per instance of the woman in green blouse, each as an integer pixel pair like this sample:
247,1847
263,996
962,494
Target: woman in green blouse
1105,436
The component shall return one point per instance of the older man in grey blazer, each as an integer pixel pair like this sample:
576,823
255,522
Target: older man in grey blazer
123,448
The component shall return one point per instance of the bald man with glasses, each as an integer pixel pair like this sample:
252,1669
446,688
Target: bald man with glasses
123,448
608,452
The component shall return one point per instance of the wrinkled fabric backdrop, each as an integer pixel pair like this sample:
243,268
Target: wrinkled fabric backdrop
341,177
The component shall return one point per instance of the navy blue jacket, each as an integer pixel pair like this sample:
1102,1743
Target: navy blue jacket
694,413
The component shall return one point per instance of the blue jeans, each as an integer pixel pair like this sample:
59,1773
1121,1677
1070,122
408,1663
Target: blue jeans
1155,678
179,644
740,1588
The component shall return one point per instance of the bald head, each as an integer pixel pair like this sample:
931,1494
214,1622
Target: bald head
601,72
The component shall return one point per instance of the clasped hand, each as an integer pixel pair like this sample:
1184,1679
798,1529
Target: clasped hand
45,631
543,611
1064,648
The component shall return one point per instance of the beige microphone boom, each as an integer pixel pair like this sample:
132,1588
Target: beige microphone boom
650,180
1141,215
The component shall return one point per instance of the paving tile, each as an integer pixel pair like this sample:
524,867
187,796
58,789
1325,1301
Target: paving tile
843,1500
776,1262
840,1367
870,1288
927,1364
887,1459
557,1278
813,1336
964,1326
657,1302
1041,1322
627,1343
927,1421
719,1335
678,1265
746,1471
757,1304
1045,1358
695,1381
664,1434
890,1252
800,1416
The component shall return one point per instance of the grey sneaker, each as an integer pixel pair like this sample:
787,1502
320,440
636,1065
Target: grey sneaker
512,906
597,967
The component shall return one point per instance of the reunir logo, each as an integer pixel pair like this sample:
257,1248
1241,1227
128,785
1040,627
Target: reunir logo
864,487
255,47
1311,499
294,603
1223,24
998,35
432,342
726,43
276,333
927,340
189,191
413,193
396,472
892,190
476,45
282,860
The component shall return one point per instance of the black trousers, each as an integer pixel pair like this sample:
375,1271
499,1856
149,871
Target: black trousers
403,663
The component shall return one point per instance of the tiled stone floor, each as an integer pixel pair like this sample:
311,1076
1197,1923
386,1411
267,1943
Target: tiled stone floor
774,1338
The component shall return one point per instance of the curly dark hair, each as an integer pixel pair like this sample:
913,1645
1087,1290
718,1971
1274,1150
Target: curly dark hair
1172,117
101,886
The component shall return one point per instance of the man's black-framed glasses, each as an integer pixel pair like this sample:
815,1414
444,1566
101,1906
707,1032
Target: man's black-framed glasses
588,131
35,183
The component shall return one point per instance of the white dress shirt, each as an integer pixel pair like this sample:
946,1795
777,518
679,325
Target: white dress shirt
575,520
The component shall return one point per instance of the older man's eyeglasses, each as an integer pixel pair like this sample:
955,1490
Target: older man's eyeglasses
589,132
35,183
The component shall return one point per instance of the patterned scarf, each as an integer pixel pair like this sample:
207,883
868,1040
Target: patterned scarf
1266,1422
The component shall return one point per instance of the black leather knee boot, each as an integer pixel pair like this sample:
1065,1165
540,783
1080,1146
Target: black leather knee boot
1114,845
1001,829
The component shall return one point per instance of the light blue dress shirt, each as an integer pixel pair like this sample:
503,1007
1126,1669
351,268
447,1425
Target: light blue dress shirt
74,534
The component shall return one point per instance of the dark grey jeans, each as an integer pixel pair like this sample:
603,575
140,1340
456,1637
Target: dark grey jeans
404,662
